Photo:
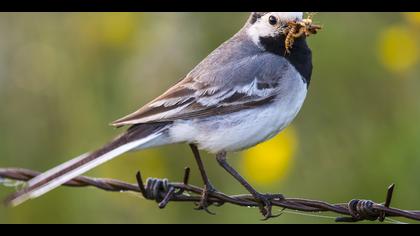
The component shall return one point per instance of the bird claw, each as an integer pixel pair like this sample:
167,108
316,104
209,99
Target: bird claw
266,206
204,202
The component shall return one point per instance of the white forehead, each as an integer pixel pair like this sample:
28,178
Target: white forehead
286,16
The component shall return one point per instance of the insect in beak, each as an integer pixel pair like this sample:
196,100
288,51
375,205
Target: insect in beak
299,28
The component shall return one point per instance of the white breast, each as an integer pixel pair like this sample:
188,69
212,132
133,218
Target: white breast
244,129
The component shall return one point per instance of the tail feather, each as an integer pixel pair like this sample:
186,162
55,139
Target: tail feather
56,169
137,136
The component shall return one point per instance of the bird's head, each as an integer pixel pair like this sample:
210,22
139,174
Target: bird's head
268,29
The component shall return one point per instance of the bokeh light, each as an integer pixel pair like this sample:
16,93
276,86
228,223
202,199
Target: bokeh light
398,48
413,17
111,30
269,162
118,28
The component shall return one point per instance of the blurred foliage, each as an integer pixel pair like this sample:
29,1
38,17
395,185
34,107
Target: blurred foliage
65,76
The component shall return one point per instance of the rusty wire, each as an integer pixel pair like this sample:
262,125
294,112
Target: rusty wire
163,192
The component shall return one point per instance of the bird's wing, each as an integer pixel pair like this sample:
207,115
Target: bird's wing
211,90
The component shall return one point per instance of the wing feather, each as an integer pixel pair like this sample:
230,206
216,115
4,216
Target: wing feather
250,82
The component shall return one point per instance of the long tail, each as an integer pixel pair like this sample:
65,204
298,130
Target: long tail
137,137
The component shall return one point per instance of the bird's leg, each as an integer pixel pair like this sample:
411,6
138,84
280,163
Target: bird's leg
265,199
208,187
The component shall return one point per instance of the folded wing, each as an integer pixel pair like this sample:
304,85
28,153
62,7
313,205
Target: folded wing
217,90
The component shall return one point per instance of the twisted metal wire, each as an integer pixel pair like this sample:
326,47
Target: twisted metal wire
163,192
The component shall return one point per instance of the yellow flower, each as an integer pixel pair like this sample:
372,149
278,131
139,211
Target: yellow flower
108,29
413,17
118,28
398,49
268,162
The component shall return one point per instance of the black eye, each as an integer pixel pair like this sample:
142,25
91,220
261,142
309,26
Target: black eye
272,20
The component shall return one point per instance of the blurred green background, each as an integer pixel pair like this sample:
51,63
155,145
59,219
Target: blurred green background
65,76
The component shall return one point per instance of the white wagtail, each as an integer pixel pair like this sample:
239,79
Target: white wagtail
243,93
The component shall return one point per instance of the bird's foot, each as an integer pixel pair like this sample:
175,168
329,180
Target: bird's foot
266,205
204,202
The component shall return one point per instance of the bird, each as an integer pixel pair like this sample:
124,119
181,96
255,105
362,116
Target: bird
243,93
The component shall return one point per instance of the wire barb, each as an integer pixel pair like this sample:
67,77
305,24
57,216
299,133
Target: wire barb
162,191
361,210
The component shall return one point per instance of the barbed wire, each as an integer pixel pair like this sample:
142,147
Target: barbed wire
162,191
